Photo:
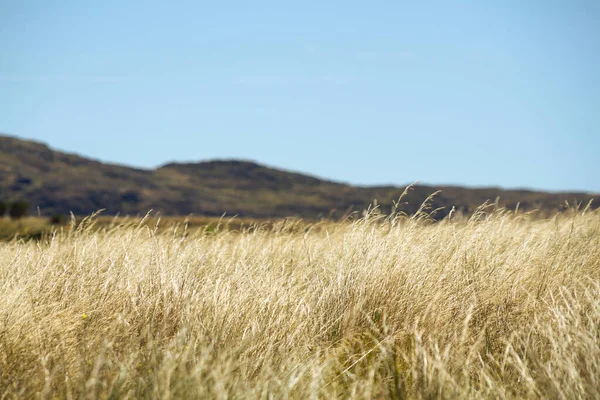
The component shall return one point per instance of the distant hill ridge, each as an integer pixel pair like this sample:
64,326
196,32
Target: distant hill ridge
59,182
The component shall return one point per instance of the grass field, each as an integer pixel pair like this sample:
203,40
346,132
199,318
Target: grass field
40,228
498,305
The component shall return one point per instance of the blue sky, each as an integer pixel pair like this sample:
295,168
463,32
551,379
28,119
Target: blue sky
503,93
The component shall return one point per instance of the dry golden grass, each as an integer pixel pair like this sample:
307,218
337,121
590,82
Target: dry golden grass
26,227
497,306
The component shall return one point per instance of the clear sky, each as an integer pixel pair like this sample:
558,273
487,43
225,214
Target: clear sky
477,93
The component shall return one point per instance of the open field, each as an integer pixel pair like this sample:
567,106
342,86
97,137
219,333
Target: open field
495,306
42,228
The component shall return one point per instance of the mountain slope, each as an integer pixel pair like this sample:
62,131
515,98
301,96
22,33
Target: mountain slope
58,182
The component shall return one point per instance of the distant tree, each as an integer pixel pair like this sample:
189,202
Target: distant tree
18,209
3,208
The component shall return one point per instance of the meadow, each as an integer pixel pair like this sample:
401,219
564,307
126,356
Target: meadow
499,304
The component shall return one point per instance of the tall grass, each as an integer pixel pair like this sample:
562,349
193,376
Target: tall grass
495,306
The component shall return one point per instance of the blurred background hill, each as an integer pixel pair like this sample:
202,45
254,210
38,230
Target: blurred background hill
59,183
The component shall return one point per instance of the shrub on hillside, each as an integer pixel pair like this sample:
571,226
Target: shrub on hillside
59,219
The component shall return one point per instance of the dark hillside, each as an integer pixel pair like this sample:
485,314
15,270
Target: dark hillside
58,182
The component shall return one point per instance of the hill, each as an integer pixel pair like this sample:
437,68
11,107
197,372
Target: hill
59,182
